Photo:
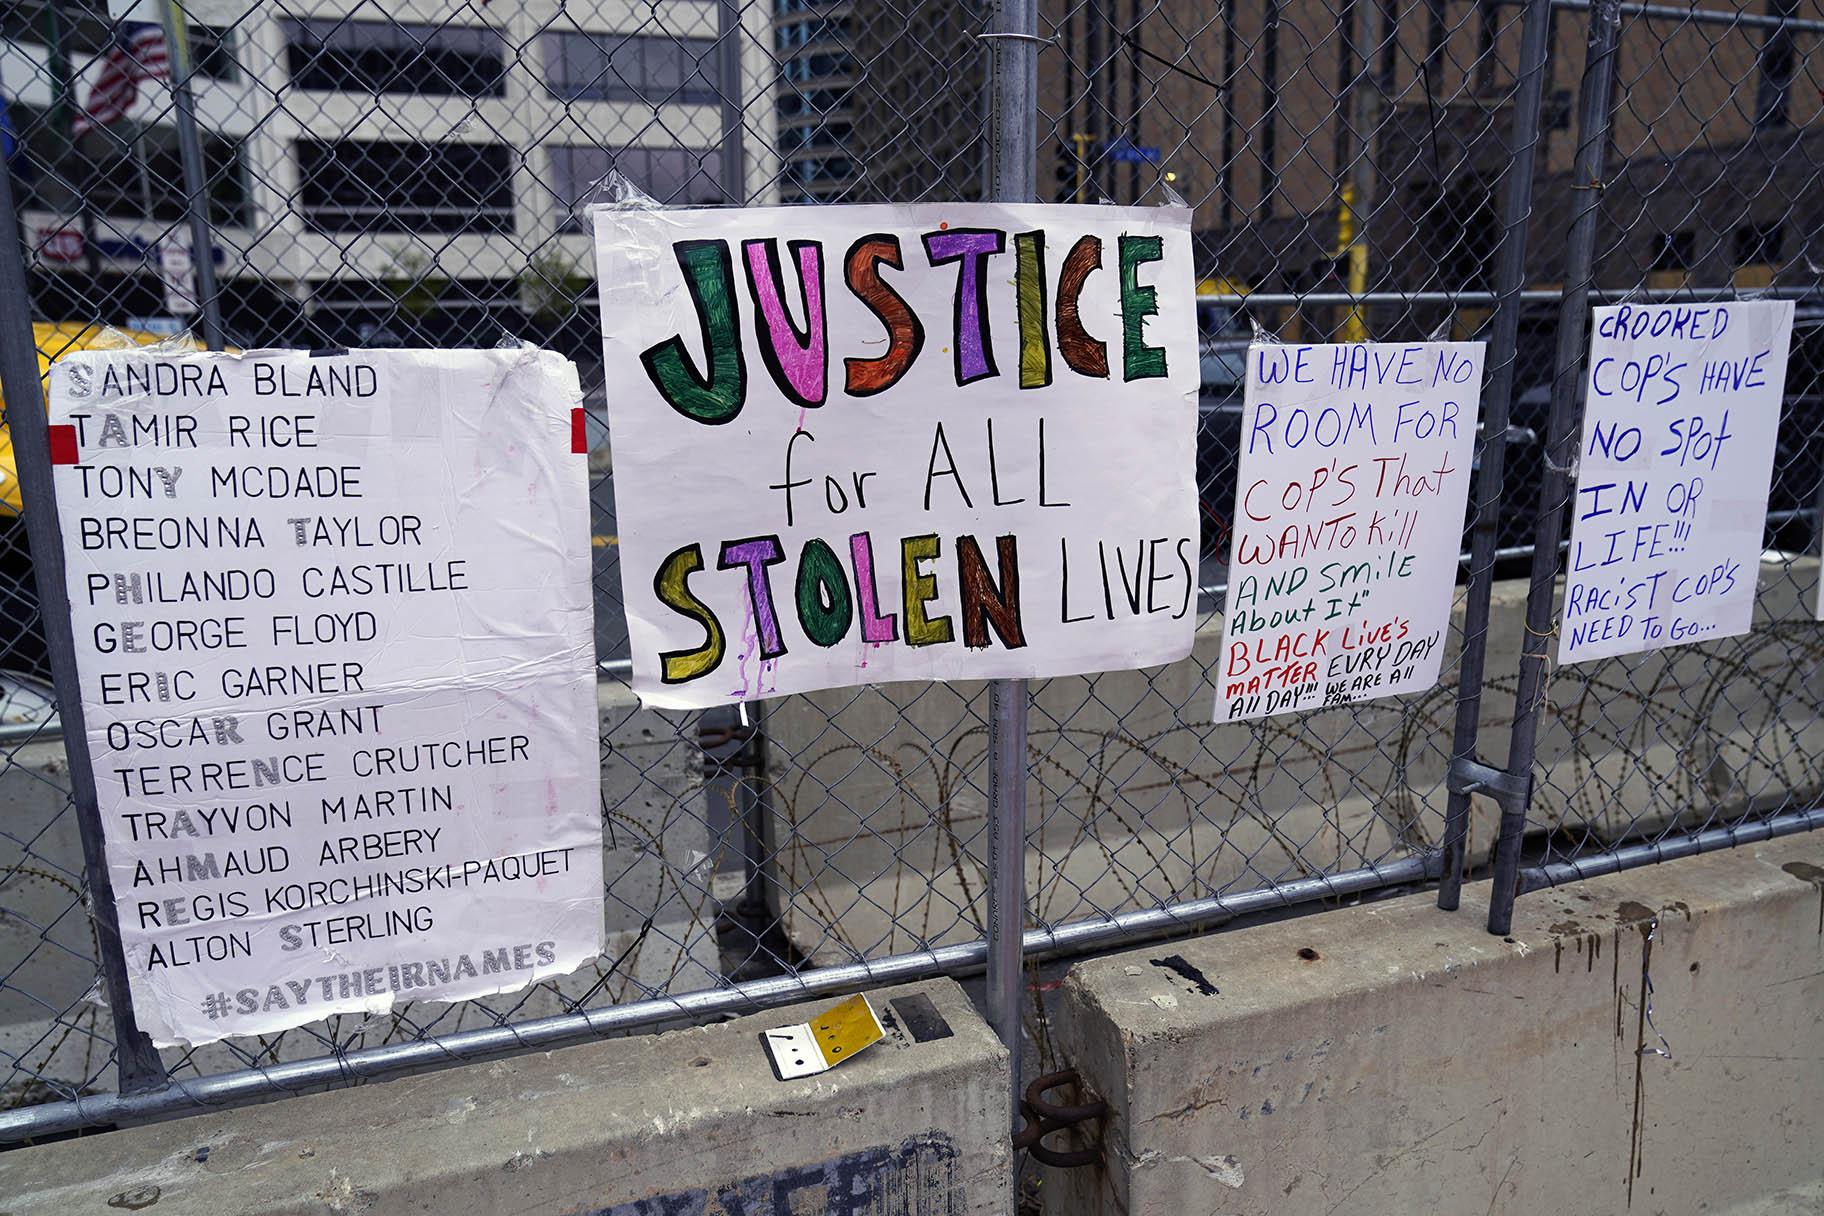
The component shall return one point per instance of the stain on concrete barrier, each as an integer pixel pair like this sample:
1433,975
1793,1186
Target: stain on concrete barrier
1806,872
916,1178
1180,966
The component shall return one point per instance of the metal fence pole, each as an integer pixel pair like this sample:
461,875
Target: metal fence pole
1593,115
1014,44
1510,278
140,1067
731,160
196,178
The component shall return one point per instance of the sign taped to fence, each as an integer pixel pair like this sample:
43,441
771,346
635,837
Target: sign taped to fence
333,634
1349,506
1673,475
931,442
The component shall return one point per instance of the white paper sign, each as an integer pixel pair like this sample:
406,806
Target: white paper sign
1349,502
178,273
1681,412
933,442
333,630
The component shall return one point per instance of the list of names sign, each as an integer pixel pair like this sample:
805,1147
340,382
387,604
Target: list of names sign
333,633
1349,501
1676,463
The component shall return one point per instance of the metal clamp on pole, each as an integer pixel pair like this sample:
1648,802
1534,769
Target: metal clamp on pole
1468,776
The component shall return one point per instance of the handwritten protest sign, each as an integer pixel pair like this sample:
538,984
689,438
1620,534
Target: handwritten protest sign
934,442
1349,501
332,623
1681,414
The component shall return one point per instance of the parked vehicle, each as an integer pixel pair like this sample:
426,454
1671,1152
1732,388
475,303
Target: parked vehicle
21,640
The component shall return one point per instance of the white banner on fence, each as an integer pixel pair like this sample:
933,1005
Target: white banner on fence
333,631
1682,409
933,442
1349,508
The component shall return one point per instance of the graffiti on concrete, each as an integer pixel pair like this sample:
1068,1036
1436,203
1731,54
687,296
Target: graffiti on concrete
915,1178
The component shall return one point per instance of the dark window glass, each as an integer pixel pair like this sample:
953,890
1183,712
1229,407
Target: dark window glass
1773,91
121,171
1558,110
1757,243
804,33
212,53
814,135
325,54
1674,250
810,101
631,67
816,66
823,169
86,32
382,186
670,175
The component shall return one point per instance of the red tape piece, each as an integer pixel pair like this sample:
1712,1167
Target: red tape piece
63,444
579,431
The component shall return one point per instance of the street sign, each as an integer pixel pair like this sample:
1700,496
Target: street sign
60,245
1125,151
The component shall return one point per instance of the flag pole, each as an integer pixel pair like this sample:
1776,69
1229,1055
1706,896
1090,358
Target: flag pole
63,94
196,186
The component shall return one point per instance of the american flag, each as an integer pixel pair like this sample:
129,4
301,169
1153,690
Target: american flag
138,53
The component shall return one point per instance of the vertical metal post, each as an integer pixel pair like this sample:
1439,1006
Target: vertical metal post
1231,67
754,804
1510,278
1013,85
140,1067
1593,114
63,106
732,166
196,181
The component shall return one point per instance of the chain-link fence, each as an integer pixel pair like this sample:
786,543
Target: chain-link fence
335,174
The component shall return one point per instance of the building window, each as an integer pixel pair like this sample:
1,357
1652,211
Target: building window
1756,244
670,175
814,135
807,68
87,32
212,54
1673,250
825,169
330,55
631,67
811,101
123,172
1488,32
830,29
1558,110
381,186
1773,92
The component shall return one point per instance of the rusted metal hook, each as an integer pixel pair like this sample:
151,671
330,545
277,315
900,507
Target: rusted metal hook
1041,1118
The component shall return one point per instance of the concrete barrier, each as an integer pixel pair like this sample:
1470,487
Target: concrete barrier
684,1122
1646,1042
1136,800
656,860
